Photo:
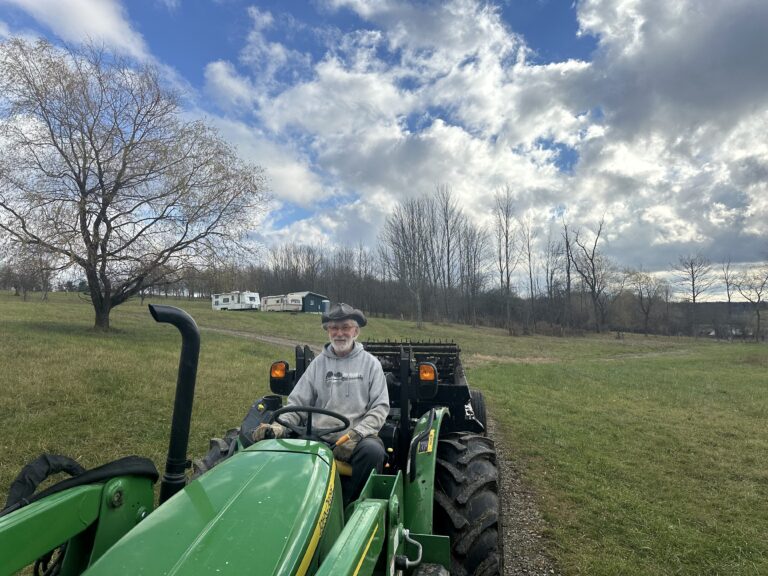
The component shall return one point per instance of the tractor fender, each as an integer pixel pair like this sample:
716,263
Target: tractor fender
419,478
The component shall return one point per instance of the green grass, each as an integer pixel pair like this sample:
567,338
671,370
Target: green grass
648,455
96,397
647,463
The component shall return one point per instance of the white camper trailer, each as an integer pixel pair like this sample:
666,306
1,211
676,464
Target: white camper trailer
236,301
272,303
294,302
282,303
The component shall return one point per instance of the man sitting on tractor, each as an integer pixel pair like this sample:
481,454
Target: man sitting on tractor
346,379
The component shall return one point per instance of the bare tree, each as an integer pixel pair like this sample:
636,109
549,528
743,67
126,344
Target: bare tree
405,241
596,270
568,249
554,266
472,251
694,273
648,290
99,167
449,223
343,265
527,238
364,273
753,286
729,281
507,256
666,293
30,267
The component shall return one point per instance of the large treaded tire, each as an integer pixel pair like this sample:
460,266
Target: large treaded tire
467,503
431,570
477,400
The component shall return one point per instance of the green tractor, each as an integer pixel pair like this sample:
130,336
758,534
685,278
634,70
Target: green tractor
276,507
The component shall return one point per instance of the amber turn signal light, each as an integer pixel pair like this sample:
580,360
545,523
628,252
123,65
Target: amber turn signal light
278,369
426,372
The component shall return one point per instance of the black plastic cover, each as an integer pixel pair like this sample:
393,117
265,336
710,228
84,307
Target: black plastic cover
23,487
260,412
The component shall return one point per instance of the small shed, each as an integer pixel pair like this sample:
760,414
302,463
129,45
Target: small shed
310,301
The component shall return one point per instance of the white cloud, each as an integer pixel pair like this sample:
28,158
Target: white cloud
665,126
688,64
682,86
337,101
230,90
271,63
78,21
289,172
348,224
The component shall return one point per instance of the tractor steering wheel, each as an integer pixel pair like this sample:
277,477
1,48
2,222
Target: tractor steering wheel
306,431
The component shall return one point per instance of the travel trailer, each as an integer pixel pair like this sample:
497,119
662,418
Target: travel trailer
272,303
236,301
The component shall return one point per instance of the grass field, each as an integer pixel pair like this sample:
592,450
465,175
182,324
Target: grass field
648,455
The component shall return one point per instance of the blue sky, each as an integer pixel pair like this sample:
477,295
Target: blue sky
648,112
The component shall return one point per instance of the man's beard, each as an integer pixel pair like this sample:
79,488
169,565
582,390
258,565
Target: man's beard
343,345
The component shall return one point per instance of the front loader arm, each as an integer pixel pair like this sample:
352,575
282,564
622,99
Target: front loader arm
89,518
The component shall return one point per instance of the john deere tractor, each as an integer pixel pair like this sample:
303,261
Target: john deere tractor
275,507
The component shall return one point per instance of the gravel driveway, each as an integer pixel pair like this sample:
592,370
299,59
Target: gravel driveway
524,541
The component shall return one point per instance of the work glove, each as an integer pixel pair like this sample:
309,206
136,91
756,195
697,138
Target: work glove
273,430
346,445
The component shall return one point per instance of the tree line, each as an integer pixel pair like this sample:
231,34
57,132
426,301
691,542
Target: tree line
432,263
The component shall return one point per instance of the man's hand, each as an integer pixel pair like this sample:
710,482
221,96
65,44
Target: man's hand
346,445
273,430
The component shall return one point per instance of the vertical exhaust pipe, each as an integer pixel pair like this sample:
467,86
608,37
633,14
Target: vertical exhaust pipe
174,477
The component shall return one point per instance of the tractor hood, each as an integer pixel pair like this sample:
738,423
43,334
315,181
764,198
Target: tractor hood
262,511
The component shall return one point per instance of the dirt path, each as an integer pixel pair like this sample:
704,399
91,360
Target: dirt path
524,528
278,341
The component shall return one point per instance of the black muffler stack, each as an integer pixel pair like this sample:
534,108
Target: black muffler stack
174,477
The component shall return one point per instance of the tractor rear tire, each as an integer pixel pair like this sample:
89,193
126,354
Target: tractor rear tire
467,503
477,400
431,570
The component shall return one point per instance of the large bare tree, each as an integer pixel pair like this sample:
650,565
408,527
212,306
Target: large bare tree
528,236
98,166
405,242
507,253
568,249
450,224
472,253
553,266
694,273
596,270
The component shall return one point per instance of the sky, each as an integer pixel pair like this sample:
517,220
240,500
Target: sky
651,114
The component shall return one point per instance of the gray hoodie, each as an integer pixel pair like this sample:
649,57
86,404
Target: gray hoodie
353,385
